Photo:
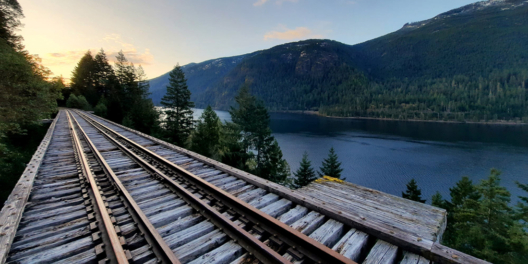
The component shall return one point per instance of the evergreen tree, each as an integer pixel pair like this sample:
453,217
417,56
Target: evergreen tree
274,167
252,118
177,100
331,166
305,174
206,136
10,15
232,151
100,109
438,201
143,114
462,191
83,79
486,228
105,79
412,192
522,206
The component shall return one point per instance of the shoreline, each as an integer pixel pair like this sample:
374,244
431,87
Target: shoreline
316,113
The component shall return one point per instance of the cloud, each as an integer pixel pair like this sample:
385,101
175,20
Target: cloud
260,2
278,2
291,34
112,44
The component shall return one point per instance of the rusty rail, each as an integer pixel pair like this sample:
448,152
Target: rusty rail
160,248
116,253
282,234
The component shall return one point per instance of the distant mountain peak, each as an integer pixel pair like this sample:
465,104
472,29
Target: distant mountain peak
468,9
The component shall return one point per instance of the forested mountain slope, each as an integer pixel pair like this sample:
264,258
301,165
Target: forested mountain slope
470,63
200,76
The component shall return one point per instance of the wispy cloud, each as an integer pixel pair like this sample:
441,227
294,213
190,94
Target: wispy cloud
112,44
260,2
278,2
291,34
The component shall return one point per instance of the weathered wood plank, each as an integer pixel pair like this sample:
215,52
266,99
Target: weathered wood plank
14,206
223,254
382,253
352,244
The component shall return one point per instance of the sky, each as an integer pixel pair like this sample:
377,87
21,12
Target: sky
158,34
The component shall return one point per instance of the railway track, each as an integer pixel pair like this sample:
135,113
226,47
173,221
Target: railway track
104,193
204,181
174,193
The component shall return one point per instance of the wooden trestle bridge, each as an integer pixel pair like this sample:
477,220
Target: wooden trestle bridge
98,192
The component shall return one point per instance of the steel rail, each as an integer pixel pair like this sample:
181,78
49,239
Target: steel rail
281,232
159,246
237,233
118,253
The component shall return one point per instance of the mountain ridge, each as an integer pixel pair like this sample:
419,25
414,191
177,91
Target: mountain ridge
474,41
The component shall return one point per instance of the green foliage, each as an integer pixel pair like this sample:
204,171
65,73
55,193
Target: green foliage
413,192
206,136
522,207
482,223
83,79
305,174
232,150
10,15
251,119
100,108
27,95
78,102
331,166
178,113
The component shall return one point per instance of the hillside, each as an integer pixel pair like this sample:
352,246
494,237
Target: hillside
468,63
200,76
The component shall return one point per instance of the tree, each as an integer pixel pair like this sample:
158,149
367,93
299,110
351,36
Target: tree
331,166
100,109
232,151
105,79
462,191
486,228
178,113
522,206
10,15
274,167
206,136
412,192
252,118
305,174
83,79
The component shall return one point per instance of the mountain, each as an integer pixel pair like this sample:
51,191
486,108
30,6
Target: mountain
200,76
452,66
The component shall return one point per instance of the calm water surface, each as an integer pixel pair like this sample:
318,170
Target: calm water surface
385,155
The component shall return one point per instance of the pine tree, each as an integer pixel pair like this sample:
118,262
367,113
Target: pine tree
252,119
206,136
274,167
486,228
331,166
177,100
438,201
305,174
83,79
412,192
462,191
522,206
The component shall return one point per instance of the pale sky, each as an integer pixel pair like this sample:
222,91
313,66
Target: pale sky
160,33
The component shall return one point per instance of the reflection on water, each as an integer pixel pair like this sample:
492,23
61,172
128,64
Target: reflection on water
385,155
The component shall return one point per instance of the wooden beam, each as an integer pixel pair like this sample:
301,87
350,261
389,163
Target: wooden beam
14,206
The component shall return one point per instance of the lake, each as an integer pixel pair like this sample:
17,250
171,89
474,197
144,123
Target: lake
385,155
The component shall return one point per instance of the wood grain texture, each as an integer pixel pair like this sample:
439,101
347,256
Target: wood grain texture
11,213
